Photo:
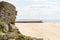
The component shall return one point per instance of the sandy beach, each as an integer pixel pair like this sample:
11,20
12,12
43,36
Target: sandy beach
48,31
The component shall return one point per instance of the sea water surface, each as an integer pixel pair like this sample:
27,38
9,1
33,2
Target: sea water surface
57,22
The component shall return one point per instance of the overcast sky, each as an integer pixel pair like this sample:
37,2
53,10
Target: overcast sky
37,9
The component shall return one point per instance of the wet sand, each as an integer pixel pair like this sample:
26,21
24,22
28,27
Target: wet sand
48,31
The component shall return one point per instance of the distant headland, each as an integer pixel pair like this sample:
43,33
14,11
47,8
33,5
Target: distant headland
29,21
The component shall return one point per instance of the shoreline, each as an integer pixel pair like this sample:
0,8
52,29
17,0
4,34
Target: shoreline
29,21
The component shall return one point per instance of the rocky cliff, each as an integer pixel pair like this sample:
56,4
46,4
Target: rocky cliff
8,31
7,12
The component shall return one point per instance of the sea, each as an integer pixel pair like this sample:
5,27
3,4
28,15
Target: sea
57,22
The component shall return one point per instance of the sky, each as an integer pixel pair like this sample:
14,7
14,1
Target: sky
37,9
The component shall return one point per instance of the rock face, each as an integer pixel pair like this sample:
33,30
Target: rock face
7,12
8,31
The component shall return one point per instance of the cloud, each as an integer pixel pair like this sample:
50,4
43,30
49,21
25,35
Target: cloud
41,9
41,0
35,0
46,12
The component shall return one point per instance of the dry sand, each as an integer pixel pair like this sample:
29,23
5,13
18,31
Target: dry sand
48,31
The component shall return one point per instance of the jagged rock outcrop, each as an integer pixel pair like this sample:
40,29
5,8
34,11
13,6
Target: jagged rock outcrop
8,31
7,12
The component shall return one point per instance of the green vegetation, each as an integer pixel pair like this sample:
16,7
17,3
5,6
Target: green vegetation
2,24
4,31
21,37
29,38
12,22
1,35
10,29
2,27
16,13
